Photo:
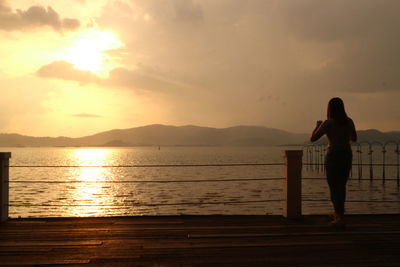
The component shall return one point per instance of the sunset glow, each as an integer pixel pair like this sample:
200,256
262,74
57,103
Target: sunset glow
85,67
89,50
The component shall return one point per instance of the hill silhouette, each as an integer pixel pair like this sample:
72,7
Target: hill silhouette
189,135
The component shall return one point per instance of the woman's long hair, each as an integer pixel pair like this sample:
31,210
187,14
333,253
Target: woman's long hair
336,111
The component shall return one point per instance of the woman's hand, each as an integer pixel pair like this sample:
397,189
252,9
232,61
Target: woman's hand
316,134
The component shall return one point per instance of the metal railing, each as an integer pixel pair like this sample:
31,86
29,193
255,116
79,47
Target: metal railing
223,180
314,158
291,194
293,182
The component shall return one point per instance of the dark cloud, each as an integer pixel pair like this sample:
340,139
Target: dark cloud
141,78
348,46
340,19
187,11
174,11
360,39
70,24
361,70
65,71
87,115
34,16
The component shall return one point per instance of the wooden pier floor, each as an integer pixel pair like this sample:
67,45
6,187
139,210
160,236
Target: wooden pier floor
372,240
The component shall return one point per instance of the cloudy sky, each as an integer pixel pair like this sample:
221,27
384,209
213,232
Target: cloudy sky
78,67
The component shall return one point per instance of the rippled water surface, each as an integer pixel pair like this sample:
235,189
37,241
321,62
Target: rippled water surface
88,183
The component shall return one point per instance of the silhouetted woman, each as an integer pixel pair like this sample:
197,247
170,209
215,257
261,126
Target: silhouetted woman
340,130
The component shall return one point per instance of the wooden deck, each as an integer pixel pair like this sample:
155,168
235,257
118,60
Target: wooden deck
372,240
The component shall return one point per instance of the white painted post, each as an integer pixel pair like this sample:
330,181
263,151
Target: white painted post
4,162
292,186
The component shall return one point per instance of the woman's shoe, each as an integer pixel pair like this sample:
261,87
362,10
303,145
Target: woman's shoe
333,216
338,223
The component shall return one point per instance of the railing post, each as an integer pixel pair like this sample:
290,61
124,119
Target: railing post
292,187
4,161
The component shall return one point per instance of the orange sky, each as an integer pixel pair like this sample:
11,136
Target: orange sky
77,67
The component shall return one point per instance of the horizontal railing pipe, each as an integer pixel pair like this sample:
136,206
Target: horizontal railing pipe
149,165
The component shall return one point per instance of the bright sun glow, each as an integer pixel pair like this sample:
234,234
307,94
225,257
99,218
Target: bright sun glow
87,50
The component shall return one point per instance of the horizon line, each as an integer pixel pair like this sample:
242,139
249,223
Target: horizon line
186,125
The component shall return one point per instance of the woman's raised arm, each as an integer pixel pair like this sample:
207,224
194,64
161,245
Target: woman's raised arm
317,133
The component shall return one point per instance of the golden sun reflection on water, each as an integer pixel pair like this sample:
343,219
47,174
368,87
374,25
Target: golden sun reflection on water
89,199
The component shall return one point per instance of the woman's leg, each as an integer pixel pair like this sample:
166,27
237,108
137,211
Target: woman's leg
347,158
338,194
338,165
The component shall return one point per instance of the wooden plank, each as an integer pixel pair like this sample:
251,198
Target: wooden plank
240,235
161,221
226,244
47,243
21,250
201,240
49,261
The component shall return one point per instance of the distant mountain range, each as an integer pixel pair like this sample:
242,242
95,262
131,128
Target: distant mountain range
163,135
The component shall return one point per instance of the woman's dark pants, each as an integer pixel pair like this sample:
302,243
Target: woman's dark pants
338,165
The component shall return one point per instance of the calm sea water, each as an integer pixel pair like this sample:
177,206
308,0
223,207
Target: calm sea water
119,191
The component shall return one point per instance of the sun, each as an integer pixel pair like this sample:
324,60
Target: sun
87,50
